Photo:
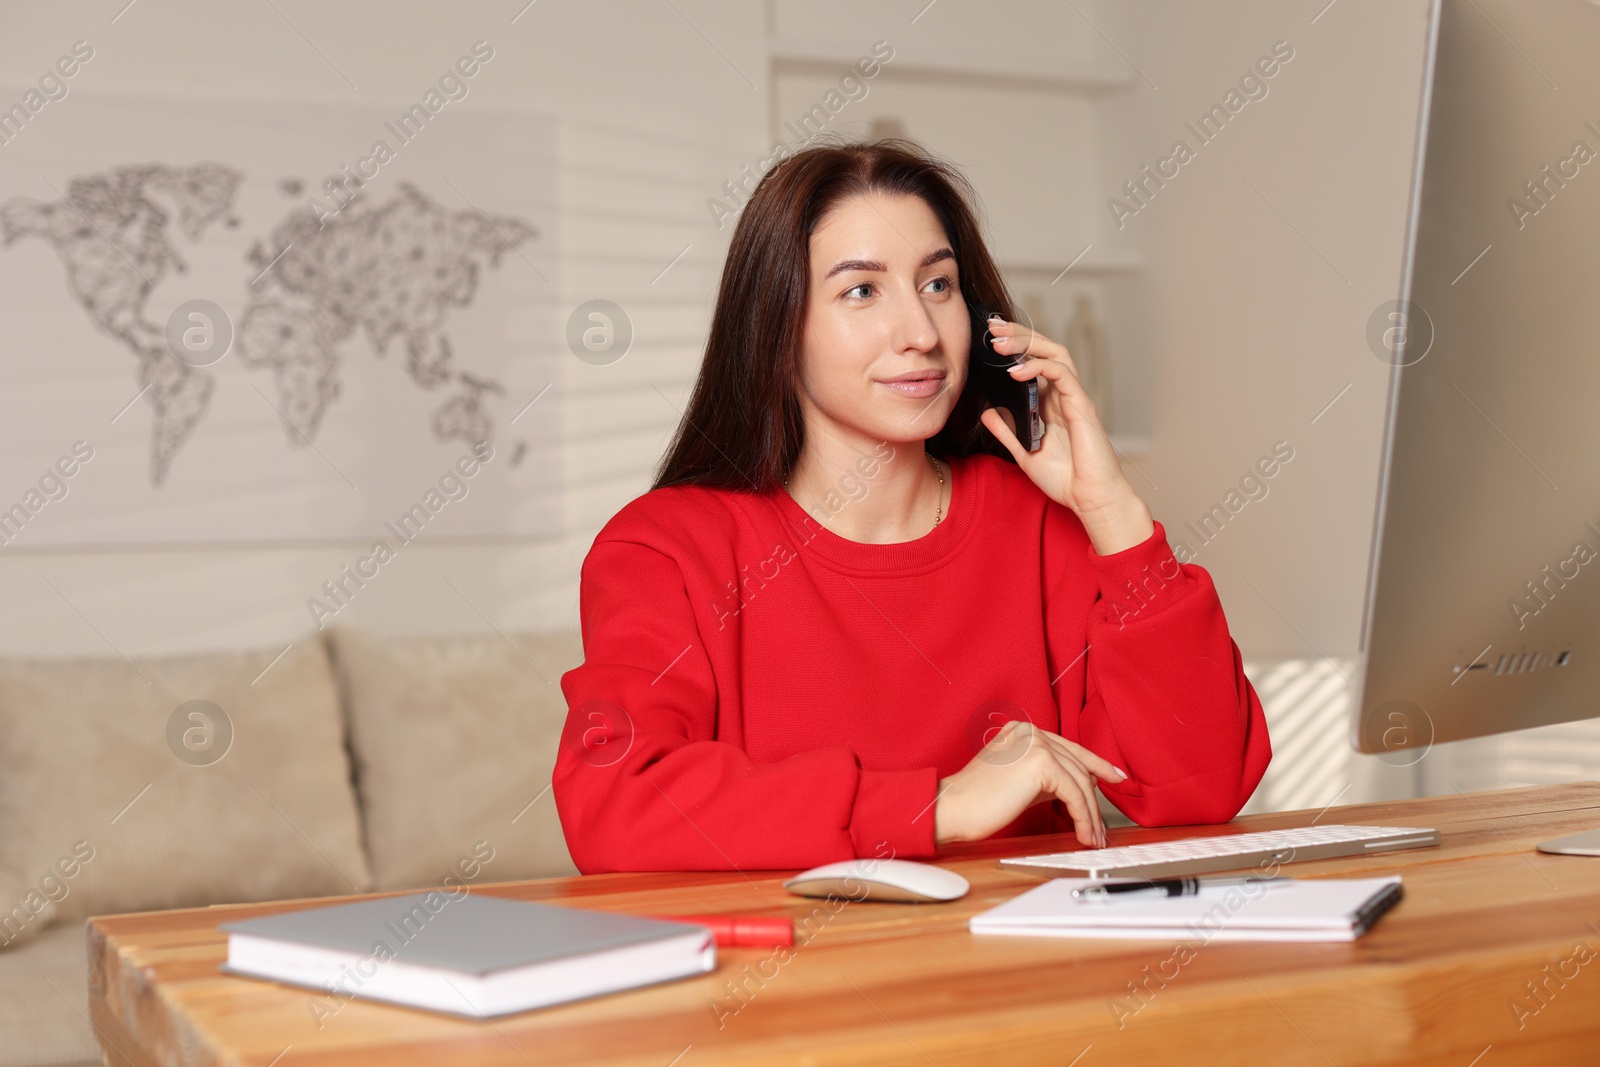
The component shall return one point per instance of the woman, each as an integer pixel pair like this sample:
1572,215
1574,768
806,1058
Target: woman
854,616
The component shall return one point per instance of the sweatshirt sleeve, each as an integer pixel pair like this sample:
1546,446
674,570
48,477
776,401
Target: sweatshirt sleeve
642,782
1165,696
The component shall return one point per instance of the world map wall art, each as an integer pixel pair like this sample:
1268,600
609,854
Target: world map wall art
258,334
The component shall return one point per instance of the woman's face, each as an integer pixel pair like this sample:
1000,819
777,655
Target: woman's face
884,303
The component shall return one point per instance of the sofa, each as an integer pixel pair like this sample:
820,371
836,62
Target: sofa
346,762
343,763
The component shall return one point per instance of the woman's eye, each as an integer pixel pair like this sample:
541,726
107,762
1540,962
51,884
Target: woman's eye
944,282
857,288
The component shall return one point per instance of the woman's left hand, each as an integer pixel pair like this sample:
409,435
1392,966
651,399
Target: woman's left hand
1075,464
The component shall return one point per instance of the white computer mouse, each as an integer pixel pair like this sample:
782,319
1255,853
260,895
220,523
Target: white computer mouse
875,879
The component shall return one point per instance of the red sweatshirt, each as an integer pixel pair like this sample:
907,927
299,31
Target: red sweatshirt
758,692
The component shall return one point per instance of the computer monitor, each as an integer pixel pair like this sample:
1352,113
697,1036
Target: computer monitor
1482,609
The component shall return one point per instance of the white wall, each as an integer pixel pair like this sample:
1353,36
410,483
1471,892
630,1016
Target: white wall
657,109
657,104
1230,325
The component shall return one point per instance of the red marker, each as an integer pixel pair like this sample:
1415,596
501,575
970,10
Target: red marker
742,931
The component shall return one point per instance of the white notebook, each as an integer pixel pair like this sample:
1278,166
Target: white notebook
473,955
1302,909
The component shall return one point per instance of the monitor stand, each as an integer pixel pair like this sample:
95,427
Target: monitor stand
1586,843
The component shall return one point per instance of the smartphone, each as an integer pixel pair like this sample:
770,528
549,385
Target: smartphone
990,369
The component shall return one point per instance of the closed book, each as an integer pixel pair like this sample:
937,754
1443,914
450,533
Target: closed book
466,953
1299,909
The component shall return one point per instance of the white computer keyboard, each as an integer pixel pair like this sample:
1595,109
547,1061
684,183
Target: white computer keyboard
1199,855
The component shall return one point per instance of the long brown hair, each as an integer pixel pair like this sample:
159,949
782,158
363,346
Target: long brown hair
743,427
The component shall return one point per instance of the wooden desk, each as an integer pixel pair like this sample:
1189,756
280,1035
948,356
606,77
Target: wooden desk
879,983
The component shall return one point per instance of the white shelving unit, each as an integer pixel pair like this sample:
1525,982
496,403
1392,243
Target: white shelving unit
796,60
1020,114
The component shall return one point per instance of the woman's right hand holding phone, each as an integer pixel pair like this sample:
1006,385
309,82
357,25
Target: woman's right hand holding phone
1019,767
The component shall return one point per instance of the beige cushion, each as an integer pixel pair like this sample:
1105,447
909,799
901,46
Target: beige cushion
454,738
44,1001
86,767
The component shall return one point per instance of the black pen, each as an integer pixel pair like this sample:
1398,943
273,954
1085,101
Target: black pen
1167,887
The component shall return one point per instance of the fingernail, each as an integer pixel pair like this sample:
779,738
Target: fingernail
1120,771
1016,367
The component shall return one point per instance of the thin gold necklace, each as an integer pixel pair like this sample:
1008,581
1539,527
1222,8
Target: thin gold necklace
938,514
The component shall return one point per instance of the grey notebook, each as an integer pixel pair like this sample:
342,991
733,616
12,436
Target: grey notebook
468,953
